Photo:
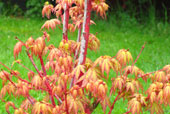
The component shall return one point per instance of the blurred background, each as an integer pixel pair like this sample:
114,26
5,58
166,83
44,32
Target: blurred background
140,9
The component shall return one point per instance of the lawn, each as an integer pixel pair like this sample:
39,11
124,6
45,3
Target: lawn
114,34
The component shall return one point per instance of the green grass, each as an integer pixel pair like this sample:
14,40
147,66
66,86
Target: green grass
114,34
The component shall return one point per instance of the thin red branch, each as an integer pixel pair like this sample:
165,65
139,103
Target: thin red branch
24,66
59,100
66,107
17,76
148,73
30,99
50,92
139,54
119,93
33,63
19,40
6,66
14,75
128,112
42,65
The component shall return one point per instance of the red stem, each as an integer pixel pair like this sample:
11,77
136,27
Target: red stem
25,67
43,66
14,75
46,81
148,74
33,63
31,101
139,54
6,66
65,21
85,33
50,92
66,107
115,101
58,98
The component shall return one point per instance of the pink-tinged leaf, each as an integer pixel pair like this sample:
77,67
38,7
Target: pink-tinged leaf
18,49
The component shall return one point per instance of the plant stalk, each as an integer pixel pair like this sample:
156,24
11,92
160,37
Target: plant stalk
115,101
85,32
65,21
42,65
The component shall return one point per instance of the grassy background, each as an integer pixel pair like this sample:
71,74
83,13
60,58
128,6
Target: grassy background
114,34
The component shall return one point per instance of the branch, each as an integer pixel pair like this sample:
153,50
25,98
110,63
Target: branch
6,66
66,107
139,54
24,66
13,73
85,33
78,40
31,101
60,101
148,73
50,92
33,63
115,101
65,21
42,65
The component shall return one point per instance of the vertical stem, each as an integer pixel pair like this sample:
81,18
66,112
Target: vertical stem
50,92
42,65
65,21
78,40
85,33
66,107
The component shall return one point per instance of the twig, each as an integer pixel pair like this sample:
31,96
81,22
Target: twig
148,73
59,100
5,66
66,107
127,112
139,54
115,101
24,66
42,65
31,101
33,63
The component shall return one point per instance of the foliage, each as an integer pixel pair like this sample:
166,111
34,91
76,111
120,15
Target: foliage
86,78
33,8
10,8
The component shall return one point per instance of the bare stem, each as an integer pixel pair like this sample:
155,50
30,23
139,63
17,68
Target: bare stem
66,107
85,32
50,92
24,67
148,73
31,101
139,54
115,101
33,63
78,40
65,21
59,100
42,65
5,66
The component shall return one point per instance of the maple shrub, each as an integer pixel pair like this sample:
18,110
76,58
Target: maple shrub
76,85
